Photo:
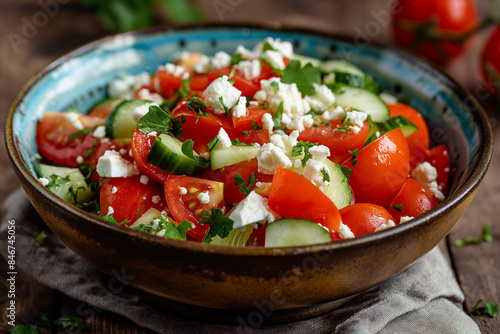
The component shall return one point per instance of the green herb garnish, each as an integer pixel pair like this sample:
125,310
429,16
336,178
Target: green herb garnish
304,77
219,225
245,188
398,207
303,147
41,238
187,149
486,237
490,309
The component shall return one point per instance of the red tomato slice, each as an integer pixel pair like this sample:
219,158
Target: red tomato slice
439,158
339,143
204,130
167,82
364,218
254,114
247,87
199,82
226,175
53,142
418,142
260,137
381,170
130,198
141,144
188,206
414,198
111,145
258,236
292,195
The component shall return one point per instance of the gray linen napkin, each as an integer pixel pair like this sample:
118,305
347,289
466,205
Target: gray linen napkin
424,299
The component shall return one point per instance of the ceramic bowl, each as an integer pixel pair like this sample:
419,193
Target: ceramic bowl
280,284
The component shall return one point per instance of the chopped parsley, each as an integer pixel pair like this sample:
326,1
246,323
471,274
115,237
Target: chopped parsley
265,106
88,153
165,228
277,118
347,171
81,133
304,77
490,309
111,219
227,112
198,106
187,149
486,237
40,239
354,158
398,207
158,120
236,59
303,147
275,85
267,47
326,176
237,142
219,224
244,188
55,181
255,125
211,144
345,126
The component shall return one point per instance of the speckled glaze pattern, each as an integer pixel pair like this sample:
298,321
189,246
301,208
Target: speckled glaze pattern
199,280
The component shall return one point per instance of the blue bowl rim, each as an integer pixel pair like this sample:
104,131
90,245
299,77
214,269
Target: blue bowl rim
469,186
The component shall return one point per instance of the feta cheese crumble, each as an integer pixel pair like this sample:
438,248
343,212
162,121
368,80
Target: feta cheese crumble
240,109
385,226
268,122
183,191
270,157
251,69
252,209
80,160
204,197
144,179
114,190
111,164
99,132
224,140
221,87
175,70
322,100
125,85
110,211
220,60
155,199
43,181
434,189
142,110
424,173
345,232
74,119
405,219
145,94
334,115
289,94
275,59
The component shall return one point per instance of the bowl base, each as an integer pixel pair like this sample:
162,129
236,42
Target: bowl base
261,315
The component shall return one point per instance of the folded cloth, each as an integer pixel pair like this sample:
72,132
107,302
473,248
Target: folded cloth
425,298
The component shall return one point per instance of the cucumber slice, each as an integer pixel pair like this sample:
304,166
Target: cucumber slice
289,232
361,99
76,181
396,122
329,66
121,124
147,217
306,60
338,190
237,237
166,153
366,81
222,157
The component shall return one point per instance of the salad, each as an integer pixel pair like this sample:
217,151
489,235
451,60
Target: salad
261,147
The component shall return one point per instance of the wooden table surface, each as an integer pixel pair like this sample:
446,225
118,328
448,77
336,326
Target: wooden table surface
476,267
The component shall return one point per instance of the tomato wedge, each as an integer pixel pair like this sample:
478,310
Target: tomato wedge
440,159
339,143
129,198
412,200
254,115
364,218
201,130
53,142
381,169
188,206
292,195
141,144
418,142
226,175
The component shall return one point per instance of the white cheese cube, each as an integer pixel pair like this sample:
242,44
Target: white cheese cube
111,164
224,140
240,109
252,209
270,157
221,87
424,173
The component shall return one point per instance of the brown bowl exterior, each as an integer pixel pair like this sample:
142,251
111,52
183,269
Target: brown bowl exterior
225,278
